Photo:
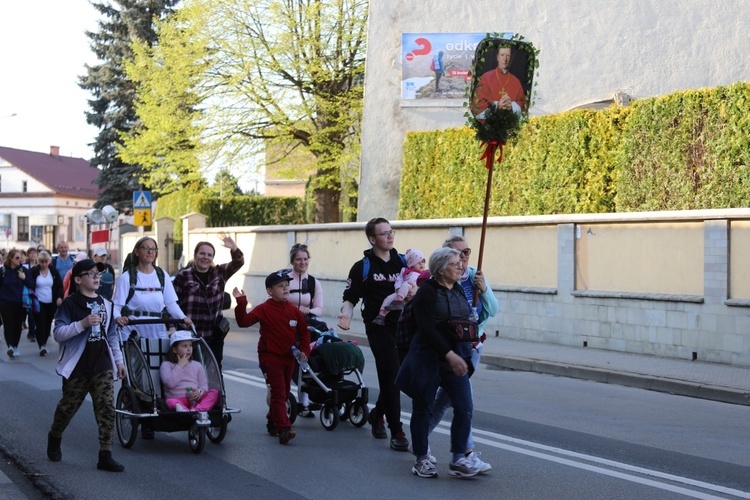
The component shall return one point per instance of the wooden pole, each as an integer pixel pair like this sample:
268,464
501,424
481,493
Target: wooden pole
492,148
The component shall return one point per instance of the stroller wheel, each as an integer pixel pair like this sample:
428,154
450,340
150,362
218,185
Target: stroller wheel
197,438
329,416
127,426
291,407
358,412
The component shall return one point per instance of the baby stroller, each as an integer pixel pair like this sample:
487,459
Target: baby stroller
323,378
141,396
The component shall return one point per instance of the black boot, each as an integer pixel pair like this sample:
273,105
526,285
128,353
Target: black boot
106,462
53,448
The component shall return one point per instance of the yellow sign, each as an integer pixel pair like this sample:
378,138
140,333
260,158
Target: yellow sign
142,216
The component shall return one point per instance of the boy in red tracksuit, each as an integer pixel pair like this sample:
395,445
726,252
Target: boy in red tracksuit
282,326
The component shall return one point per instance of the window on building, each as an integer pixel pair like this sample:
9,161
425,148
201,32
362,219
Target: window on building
70,229
23,228
25,187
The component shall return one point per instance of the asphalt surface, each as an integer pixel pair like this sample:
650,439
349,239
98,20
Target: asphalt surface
699,379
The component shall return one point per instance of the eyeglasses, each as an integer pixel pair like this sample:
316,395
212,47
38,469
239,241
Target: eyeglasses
466,252
387,233
149,249
299,246
91,274
456,264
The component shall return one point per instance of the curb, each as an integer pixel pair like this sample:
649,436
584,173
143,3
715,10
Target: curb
648,382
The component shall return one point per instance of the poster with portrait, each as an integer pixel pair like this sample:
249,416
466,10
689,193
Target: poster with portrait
502,75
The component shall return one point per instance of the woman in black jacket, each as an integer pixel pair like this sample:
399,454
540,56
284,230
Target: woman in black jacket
49,291
13,278
436,359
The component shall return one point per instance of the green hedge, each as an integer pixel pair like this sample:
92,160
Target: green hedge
686,150
231,210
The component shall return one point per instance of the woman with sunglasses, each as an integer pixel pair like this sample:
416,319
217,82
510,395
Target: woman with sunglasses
13,278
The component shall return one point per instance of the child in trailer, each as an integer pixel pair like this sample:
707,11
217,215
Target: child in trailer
282,328
89,356
407,280
184,380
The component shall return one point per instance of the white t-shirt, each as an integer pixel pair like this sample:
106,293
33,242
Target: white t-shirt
148,298
43,288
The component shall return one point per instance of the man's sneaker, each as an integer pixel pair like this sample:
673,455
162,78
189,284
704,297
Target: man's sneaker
286,435
30,338
477,462
106,462
43,351
399,441
396,305
15,352
424,468
10,352
462,468
379,320
378,426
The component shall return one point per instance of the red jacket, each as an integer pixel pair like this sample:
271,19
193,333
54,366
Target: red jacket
282,325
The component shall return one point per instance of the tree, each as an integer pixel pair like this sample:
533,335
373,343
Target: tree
291,72
166,141
112,109
226,184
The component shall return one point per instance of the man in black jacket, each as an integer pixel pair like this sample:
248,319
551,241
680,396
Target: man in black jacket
372,279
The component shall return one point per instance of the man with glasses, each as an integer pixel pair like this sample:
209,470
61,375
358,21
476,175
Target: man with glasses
372,279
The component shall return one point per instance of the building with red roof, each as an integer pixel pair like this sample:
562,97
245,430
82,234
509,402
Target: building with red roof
44,198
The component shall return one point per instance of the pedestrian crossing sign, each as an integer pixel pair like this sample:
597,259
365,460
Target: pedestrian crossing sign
142,199
142,217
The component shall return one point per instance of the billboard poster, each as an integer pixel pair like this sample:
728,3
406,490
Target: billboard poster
437,65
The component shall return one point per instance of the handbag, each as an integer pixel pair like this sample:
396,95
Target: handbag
222,327
461,330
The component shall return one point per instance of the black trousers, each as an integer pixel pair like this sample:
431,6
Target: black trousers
382,342
12,321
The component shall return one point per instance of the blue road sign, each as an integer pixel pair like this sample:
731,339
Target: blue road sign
142,199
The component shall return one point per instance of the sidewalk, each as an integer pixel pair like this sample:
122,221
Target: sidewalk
697,379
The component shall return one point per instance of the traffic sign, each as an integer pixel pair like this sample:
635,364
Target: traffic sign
142,199
142,217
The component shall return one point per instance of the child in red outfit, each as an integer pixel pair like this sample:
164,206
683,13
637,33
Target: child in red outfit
282,326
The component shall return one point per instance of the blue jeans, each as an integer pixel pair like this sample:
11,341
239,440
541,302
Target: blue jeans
458,390
443,401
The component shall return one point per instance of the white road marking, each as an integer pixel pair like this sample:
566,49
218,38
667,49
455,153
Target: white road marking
557,455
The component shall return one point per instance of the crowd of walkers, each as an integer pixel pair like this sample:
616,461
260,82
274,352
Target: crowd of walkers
444,301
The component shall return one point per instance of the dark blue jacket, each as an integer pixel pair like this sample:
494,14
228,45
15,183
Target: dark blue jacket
11,285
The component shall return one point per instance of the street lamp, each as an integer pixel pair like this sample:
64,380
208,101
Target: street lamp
107,215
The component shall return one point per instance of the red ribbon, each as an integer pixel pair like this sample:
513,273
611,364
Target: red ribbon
489,152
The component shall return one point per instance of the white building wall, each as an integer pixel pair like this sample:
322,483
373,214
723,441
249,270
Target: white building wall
589,51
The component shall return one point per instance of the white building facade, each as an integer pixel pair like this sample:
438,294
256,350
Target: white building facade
589,52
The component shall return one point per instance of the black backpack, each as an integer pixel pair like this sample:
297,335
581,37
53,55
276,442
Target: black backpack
133,276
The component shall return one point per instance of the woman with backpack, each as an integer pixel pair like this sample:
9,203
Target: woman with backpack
145,291
306,293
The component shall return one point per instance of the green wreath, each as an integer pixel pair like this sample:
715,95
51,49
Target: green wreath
499,125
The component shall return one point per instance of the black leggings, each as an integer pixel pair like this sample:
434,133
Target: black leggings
383,346
12,321
44,322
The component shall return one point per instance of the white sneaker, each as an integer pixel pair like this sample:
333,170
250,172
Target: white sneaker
424,468
15,352
179,407
430,456
462,468
477,462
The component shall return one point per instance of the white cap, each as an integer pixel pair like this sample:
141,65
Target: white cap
100,251
180,335
80,256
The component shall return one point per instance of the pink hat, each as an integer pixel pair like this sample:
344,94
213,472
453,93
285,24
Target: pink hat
413,256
